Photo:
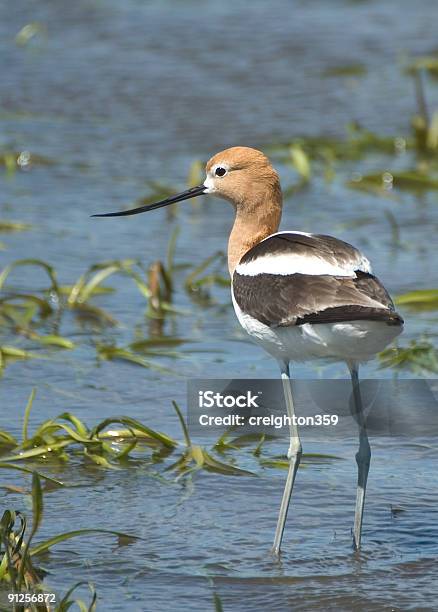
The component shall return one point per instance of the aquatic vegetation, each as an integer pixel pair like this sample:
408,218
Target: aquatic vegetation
346,70
282,462
121,441
204,276
37,317
424,124
195,175
195,458
218,607
18,553
159,190
413,180
140,352
59,438
24,314
358,143
311,156
300,161
66,602
326,155
9,353
66,436
112,352
419,300
29,32
428,63
110,445
154,283
420,357
13,226
13,160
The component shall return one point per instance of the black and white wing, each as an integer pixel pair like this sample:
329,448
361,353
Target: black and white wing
293,278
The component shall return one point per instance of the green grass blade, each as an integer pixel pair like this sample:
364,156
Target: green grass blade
20,468
14,226
224,468
165,440
217,603
47,544
39,450
7,439
171,248
37,503
27,414
300,161
282,464
51,273
37,514
422,299
15,353
74,420
183,424
198,270
54,340
66,603
99,460
96,280
115,353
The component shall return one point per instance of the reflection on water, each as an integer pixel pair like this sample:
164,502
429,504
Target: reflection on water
120,93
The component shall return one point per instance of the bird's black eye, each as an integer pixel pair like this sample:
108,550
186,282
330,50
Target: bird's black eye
220,171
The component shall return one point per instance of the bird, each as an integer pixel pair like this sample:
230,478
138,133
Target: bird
300,296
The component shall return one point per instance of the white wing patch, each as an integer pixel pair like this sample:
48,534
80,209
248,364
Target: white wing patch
311,263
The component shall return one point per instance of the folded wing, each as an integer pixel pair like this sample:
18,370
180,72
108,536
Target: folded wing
293,279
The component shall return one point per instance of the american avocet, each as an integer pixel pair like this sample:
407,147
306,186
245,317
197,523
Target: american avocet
300,296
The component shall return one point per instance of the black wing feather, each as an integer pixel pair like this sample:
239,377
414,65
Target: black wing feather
296,299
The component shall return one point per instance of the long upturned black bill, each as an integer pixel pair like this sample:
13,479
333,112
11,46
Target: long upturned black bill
185,195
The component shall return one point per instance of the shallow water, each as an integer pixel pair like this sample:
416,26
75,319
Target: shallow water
121,93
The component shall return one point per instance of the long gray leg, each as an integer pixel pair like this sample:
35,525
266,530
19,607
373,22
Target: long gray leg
294,455
363,457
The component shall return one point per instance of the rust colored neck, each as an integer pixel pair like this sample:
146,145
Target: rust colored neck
257,217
